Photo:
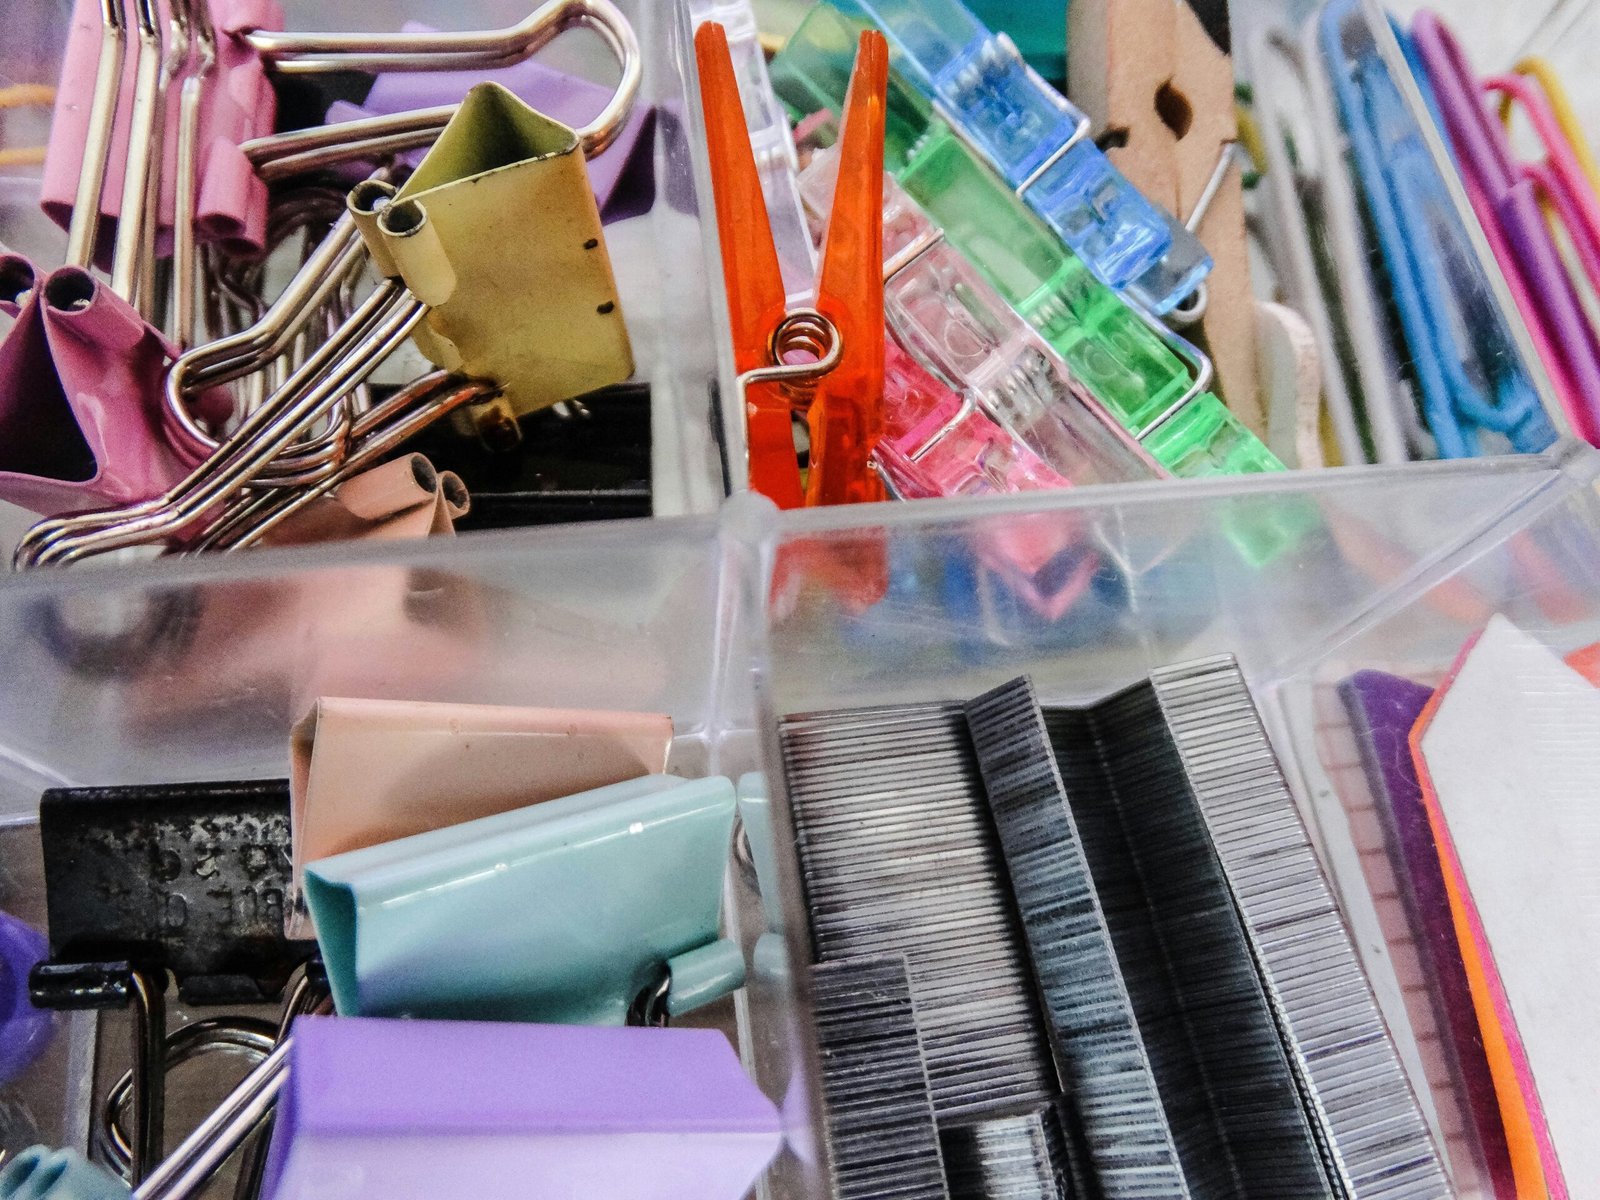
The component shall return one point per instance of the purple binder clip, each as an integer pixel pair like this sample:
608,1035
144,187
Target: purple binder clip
623,177
24,1029
419,1108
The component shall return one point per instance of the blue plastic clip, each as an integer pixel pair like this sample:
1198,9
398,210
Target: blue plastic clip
1040,143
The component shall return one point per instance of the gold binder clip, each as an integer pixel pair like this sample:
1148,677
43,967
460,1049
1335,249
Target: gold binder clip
499,234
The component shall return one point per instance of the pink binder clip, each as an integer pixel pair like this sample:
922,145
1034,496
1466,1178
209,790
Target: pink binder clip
81,421
622,177
220,74
81,403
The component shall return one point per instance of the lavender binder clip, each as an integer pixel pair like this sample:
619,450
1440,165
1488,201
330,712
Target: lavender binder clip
370,1109
419,1108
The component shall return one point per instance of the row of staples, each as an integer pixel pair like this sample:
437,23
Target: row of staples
1087,951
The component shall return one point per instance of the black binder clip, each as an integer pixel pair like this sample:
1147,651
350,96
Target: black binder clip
147,882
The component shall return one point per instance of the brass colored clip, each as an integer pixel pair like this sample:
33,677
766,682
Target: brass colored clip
498,232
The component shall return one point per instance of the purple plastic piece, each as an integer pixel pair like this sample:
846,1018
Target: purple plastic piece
1383,710
623,177
24,1030
418,1108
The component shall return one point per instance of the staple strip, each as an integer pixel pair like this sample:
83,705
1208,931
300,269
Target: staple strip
1374,1135
875,1081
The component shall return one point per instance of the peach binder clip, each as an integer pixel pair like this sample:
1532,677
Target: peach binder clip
403,498
370,771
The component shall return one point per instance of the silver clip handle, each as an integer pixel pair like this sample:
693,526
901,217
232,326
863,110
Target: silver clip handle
305,53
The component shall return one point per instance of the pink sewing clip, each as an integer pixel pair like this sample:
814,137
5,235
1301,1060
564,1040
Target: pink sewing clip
936,443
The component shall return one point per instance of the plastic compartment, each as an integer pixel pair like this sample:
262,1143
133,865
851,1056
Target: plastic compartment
1307,221
1277,273
658,257
196,671
191,670
1395,569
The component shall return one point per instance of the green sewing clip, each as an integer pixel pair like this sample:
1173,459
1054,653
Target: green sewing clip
1152,381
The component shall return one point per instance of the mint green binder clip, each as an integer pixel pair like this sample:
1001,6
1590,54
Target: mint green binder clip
595,909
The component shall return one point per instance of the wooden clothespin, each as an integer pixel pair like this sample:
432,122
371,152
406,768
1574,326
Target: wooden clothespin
1157,77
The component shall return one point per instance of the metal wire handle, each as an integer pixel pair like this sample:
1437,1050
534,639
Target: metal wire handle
304,53
240,1035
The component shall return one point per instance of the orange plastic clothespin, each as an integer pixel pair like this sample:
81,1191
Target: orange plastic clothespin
846,332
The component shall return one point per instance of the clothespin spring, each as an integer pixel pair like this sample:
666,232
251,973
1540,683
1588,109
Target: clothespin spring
802,331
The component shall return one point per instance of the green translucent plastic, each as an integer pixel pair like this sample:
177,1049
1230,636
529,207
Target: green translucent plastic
1108,345
1206,439
812,75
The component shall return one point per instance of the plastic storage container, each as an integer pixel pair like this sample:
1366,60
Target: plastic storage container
179,671
197,670
194,670
657,257
1395,569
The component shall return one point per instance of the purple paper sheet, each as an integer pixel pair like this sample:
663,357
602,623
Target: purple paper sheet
1383,710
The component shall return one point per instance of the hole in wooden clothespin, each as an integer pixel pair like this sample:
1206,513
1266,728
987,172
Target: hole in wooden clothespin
1174,109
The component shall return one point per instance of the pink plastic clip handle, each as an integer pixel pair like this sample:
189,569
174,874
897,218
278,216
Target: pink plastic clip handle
972,456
